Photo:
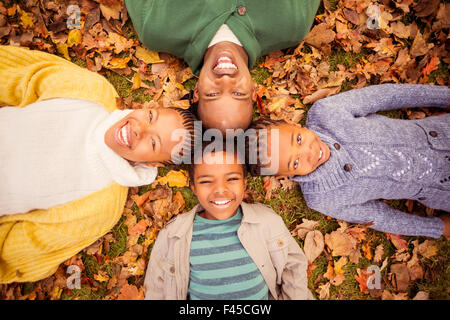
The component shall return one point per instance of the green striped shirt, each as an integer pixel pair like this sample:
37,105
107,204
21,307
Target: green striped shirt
220,267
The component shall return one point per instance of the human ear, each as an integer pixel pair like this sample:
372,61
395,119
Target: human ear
192,186
195,96
254,94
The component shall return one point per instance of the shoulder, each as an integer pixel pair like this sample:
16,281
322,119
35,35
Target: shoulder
266,216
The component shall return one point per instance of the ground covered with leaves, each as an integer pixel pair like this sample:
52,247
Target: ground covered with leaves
351,45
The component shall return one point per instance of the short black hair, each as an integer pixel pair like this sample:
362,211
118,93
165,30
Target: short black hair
191,169
262,123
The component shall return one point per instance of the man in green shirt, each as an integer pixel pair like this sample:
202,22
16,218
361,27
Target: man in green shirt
220,40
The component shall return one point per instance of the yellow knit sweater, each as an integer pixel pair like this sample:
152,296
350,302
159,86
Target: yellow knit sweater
33,244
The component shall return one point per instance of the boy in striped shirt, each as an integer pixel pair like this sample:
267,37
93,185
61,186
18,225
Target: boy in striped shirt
225,248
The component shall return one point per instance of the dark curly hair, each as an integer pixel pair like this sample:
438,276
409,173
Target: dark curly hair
194,133
262,123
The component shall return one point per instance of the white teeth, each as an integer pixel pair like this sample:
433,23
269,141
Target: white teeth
225,65
220,203
124,134
320,154
226,59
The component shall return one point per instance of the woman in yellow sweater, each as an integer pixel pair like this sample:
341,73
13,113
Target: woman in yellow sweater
68,158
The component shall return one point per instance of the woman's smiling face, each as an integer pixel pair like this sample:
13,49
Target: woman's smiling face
144,135
219,186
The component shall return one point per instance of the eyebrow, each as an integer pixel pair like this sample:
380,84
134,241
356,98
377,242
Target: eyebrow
226,174
292,139
206,98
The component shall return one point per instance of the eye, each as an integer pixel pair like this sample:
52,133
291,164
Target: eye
204,182
153,145
295,164
211,94
234,179
299,139
239,94
150,116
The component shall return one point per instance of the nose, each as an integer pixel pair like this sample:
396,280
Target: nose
224,79
139,130
220,188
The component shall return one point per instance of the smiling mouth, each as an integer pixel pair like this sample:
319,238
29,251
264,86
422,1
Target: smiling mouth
122,135
225,65
221,203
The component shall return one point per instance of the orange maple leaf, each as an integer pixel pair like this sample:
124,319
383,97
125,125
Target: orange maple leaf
361,277
431,66
130,292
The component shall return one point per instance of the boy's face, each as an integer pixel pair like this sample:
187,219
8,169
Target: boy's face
220,186
300,150
144,135
225,90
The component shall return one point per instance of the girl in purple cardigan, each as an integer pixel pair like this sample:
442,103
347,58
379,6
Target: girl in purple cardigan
348,157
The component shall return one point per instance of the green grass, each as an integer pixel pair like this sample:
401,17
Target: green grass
346,59
123,87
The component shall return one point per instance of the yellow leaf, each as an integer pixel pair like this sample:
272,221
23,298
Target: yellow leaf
74,37
277,104
101,276
118,63
148,56
56,294
136,81
63,49
367,251
338,265
175,179
26,19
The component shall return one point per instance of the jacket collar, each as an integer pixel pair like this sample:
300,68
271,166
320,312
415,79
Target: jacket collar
184,221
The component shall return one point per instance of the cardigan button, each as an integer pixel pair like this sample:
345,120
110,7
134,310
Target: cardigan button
337,146
348,167
241,10
172,269
433,134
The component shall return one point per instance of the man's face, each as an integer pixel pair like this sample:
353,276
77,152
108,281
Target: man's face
300,150
225,91
219,186
144,135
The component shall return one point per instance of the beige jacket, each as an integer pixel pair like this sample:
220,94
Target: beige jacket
263,234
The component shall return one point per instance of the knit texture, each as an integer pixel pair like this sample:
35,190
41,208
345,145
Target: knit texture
220,267
32,245
374,157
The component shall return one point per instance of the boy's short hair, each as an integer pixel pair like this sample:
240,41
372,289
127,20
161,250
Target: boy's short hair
262,123
207,143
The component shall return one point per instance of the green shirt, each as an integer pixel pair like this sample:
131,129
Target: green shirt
220,267
185,28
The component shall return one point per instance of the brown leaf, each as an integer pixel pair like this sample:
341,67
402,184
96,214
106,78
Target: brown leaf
320,94
428,249
379,252
420,46
320,35
341,244
400,276
425,8
314,245
304,228
324,291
